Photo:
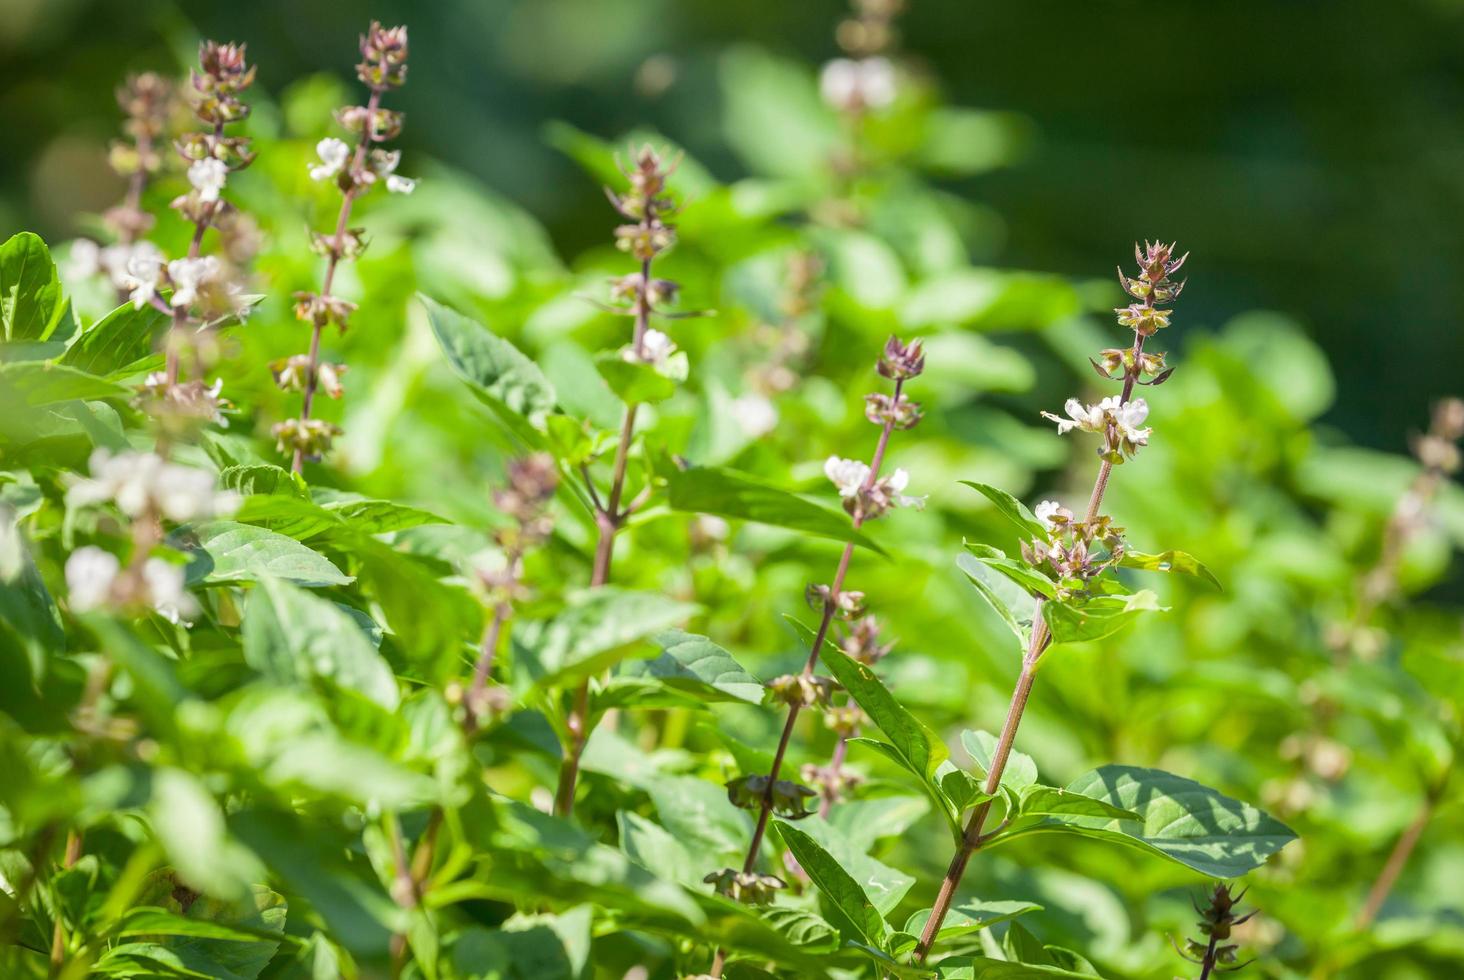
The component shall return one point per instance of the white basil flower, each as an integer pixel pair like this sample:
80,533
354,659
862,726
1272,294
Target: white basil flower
208,177
189,276
755,414
90,572
165,591
333,155
848,475
144,275
656,347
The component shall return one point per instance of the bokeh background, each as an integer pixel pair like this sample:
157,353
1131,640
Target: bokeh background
1310,154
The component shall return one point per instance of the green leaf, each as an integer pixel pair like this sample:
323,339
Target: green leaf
698,814
37,383
635,383
592,632
1020,771
495,370
116,341
871,819
230,552
292,635
696,666
1169,561
657,850
190,826
970,916
1012,509
912,746
31,305
436,622
1030,580
982,968
1082,621
835,884
360,915
26,607
727,493
885,886
263,478
1179,819
1052,800
1002,593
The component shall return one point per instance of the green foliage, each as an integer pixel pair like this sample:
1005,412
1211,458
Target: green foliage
334,761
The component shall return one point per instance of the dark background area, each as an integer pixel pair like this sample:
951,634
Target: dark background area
1311,154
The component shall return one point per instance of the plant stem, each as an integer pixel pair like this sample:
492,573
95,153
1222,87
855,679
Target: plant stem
608,519
1207,965
971,839
58,936
348,199
829,607
1402,851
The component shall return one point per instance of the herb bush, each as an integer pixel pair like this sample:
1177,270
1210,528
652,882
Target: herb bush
676,611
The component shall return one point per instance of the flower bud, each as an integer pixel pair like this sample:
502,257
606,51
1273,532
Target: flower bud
900,362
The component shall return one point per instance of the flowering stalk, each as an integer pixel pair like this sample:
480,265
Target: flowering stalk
646,206
212,156
1071,554
1217,919
531,484
864,79
860,642
383,67
866,496
1439,453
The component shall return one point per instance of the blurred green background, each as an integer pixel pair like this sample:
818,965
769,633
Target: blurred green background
1310,154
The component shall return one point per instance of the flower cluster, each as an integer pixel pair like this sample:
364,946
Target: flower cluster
1119,422
844,603
865,78
145,485
646,206
1217,919
181,408
748,887
147,489
785,797
525,499
861,641
224,76
148,101
1075,552
804,690
1152,289
95,579
865,496
354,170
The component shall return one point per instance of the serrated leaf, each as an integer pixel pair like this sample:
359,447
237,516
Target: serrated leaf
886,887
292,635
727,493
1169,561
844,893
1020,771
496,371
1012,509
1180,819
657,850
226,551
